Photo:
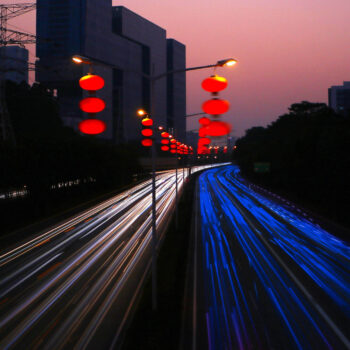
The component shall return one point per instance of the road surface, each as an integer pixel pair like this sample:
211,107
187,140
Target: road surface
264,277
75,284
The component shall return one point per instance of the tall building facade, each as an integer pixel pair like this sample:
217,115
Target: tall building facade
339,98
176,93
129,48
14,63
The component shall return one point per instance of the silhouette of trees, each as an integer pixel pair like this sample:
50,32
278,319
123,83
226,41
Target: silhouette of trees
47,153
308,152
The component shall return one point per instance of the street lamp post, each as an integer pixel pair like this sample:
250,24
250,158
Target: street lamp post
153,78
189,116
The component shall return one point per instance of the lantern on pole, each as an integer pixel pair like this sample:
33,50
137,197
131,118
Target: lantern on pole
91,82
92,126
164,148
215,106
214,84
218,128
204,121
147,128
92,105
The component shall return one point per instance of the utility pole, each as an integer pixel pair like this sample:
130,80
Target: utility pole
10,37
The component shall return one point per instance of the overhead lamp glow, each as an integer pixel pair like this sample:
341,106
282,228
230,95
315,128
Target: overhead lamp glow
229,62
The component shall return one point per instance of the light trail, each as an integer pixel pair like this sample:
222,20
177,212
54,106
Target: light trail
273,278
58,289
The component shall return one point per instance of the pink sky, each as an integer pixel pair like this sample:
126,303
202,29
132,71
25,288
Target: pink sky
288,50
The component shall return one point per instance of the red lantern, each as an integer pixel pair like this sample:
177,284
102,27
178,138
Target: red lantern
147,142
202,132
215,106
172,141
173,151
165,142
92,126
202,149
204,121
147,121
172,146
214,84
91,82
164,134
147,132
217,128
165,148
92,105
178,143
204,141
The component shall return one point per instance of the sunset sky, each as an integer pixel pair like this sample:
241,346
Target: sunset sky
288,50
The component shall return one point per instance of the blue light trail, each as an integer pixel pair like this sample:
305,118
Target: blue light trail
272,278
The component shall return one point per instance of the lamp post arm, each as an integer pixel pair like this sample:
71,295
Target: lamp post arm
194,115
181,71
152,77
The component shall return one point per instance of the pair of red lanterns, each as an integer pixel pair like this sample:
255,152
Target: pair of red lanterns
92,105
214,85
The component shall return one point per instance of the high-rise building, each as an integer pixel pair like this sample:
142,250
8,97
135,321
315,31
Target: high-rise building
176,92
339,98
14,63
129,48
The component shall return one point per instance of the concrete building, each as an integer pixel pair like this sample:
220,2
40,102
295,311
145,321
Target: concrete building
14,63
176,91
129,48
339,98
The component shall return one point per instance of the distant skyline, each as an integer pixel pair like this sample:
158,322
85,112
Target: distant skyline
288,51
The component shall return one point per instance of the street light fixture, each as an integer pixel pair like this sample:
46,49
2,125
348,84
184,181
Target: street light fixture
141,112
81,59
229,62
153,78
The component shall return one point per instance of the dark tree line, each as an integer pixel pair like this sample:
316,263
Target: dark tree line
47,154
308,150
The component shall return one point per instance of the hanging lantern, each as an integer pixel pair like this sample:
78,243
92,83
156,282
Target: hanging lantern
202,132
165,142
147,142
204,121
147,122
204,141
164,148
214,84
217,128
92,126
215,106
172,141
172,146
91,82
147,132
173,151
92,105
164,134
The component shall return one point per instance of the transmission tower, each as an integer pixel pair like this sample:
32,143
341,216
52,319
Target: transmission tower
10,37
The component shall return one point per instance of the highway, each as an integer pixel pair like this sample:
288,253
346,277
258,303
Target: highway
265,277
74,285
